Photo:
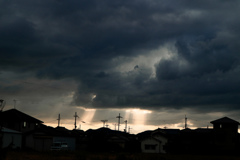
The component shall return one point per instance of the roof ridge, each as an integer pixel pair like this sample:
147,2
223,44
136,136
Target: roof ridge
224,120
17,111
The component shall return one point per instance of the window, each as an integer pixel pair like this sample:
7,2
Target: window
24,124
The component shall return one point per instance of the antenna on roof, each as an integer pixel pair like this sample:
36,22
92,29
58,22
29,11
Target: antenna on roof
58,120
104,121
185,122
15,103
2,104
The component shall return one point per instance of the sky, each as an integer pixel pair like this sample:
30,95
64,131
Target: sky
151,61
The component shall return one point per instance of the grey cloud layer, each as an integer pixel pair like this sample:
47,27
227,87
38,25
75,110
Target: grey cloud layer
88,40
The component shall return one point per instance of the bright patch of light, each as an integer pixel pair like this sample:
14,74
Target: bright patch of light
137,116
70,95
134,129
146,61
94,96
84,122
88,115
86,109
137,110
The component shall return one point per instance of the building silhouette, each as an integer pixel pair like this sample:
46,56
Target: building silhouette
223,138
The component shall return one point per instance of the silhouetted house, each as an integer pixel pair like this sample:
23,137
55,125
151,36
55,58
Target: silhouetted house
117,141
203,140
11,139
226,137
155,143
225,124
158,141
43,139
193,141
222,139
105,139
97,139
19,121
122,141
65,136
81,139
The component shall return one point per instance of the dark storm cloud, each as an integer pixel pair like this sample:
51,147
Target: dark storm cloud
91,41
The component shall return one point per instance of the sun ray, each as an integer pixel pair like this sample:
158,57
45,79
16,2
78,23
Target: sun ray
139,116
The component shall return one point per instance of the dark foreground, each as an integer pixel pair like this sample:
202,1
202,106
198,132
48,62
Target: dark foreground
109,156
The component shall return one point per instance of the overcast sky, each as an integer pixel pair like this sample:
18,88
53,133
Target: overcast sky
152,61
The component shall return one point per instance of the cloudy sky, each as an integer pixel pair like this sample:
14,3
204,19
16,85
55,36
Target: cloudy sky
152,61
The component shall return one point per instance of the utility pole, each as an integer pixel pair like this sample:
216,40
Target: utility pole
125,126
129,129
119,117
2,104
58,120
115,126
185,122
104,121
76,116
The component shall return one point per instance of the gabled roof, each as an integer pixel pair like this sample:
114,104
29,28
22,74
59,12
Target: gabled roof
158,132
165,132
16,115
117,138
225,120
152,138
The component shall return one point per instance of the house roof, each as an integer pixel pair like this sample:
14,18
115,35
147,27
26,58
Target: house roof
158,132
50,131
16,115
7,130
151,138
225,120
106,133
117,138
203,130
165,132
